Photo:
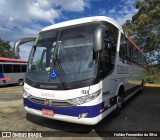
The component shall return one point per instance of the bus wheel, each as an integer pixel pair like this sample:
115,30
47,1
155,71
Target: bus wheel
120,100
20,82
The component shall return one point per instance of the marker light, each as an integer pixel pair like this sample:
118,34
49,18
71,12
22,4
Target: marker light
84,99
83,115
26,94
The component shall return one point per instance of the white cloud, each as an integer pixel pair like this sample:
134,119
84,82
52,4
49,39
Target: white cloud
128,2
42,10
23,18
102,12
23,14
112,11
19,17
71,5
127,16
124,12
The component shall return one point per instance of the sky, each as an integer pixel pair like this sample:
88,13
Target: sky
25,18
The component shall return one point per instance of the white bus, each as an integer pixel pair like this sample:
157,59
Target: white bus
12,71
81,70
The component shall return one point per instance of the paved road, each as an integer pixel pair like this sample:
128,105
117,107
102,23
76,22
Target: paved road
11,92
140,113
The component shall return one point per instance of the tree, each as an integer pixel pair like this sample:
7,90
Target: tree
5,49
144,28
145,25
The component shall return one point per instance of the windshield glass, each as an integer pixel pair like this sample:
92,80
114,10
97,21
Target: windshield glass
73,47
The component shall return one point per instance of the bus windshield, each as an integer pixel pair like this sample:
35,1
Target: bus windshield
73,47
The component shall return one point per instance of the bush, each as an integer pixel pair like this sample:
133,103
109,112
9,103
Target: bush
153,74
150,80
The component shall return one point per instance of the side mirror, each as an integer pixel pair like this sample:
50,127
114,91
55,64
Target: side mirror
20,42
99,38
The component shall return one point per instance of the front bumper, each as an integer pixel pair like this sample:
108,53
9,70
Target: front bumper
68,114
71,119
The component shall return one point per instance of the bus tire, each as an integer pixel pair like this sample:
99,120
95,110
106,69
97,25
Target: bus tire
119,103
20,82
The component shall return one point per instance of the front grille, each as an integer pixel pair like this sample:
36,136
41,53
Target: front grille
62,104
35,100
51,102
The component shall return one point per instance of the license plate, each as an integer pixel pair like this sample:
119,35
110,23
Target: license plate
48,112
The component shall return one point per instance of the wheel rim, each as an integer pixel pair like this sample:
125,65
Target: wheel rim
20,82
119,101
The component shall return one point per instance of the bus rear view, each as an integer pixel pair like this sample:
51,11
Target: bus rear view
64,79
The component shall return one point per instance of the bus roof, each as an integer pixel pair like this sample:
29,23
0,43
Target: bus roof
12,60
81,21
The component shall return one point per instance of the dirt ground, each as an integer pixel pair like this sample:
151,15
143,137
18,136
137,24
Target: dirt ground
140,113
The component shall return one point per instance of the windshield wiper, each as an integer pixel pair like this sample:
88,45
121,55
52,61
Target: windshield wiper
62,74
57,62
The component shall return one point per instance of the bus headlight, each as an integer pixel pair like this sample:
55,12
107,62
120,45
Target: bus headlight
26,94
84,99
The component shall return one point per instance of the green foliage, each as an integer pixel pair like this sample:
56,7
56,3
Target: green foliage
145,29
5,49
150,80
153,74
138,4
145,25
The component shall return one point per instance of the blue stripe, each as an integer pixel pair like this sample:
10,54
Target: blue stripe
93,111
2,76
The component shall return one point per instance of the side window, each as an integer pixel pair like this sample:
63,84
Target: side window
140,58
16,68
7,68
24,68
144,60
130,51
135,57
1,69
132,56
123,52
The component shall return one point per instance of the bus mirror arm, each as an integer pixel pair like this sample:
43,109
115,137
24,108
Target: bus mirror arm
99,38
20,42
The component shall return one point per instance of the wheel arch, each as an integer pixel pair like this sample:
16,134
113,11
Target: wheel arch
120,86
19,80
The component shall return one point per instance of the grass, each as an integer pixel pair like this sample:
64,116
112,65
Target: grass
152,85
